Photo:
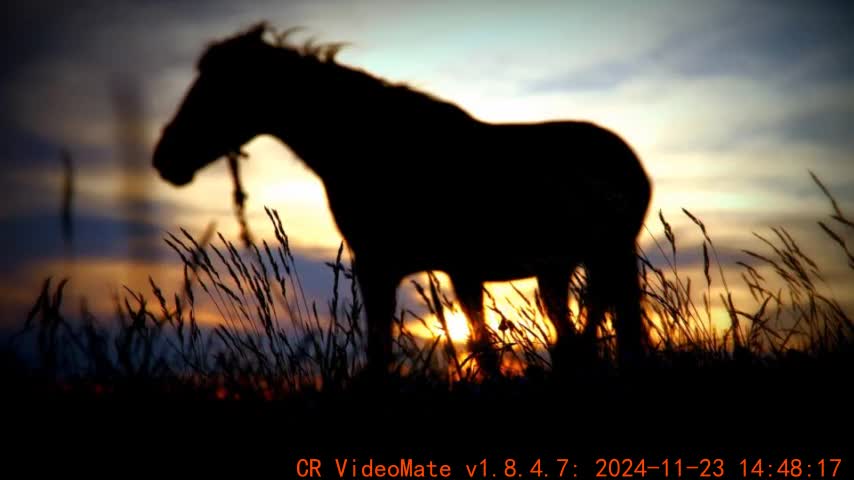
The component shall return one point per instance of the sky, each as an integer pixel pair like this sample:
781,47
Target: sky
729,105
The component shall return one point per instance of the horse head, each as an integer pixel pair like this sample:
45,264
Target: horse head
219,112
228,104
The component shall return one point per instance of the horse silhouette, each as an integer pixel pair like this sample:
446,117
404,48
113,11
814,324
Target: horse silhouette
415,183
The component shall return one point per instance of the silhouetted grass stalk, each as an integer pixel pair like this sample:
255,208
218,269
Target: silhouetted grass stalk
272,340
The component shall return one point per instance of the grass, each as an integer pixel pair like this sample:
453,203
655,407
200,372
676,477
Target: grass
275,343
278,379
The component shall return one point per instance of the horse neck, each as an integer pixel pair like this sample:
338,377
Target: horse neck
353,119
340,115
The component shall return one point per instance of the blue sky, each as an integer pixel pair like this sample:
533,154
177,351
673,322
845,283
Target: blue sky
729,104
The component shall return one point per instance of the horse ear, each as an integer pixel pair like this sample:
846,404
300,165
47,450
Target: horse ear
256,33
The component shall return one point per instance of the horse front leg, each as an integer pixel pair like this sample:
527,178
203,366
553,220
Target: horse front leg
378,289
613,284
470,295
554,291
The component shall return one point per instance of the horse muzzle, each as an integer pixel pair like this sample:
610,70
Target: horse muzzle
167,160
178,179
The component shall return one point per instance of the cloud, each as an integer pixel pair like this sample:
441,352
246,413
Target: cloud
38,236
832,127
781,43
748,72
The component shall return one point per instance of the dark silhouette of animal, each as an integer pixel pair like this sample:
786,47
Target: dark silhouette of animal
415,183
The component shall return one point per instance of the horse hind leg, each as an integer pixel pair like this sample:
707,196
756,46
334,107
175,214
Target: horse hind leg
627,305
596,304
470,295
613,284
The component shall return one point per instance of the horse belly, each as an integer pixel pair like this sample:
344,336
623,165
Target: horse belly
496,255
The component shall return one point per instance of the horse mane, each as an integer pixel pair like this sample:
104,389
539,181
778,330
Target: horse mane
320,56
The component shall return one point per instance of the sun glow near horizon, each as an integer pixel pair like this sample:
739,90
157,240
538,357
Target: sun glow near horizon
516,302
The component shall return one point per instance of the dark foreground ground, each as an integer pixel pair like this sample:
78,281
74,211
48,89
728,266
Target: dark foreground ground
800,410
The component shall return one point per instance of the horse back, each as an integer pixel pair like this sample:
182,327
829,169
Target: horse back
480,193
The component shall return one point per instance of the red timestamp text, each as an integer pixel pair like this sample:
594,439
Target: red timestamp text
667,468
646,468
790,468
